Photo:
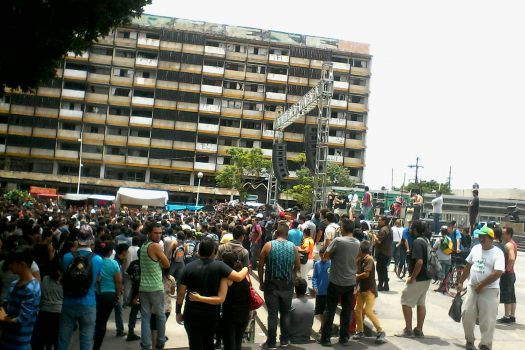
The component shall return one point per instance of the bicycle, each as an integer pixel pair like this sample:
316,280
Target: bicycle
453,276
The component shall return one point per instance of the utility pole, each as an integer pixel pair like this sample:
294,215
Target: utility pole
449,177
417,166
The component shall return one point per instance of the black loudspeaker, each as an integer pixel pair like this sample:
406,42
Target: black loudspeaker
310,146
280,166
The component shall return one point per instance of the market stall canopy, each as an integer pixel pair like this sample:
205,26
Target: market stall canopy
137,196
43,192
84,197
177,207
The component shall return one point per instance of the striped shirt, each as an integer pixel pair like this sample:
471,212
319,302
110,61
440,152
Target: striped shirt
22,304
280,261
150,272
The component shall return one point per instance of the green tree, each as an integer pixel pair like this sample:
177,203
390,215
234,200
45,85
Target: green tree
339,175
428,187
247,166
36,34
17,197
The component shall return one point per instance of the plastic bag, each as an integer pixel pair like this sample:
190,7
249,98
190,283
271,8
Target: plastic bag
455,309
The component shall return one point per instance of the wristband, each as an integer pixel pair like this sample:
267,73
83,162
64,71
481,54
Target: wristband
178,308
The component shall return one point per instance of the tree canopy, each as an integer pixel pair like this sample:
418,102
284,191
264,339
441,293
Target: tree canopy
37,34
428,187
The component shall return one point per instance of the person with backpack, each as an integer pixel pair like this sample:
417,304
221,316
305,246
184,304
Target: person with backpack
415,291
177,257
81,269
190,245
444,249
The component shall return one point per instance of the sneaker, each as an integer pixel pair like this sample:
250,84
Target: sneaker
483,347
132,337
358,336
418,333
343,341
512,319
380,338
325,342
470,346
121,334
285,344
265,346
505,320
405,333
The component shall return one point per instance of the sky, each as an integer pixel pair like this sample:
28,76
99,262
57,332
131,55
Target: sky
446,85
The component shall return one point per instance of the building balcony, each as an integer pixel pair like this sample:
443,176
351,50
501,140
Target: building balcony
293,99
120,100
341,67
105,40
358,89
341,85
114,159
164,104
70,114
356,125
167,85
159,143
163,124
181,165
98,78
42,153
256,77
231,112
232,93
278,59
121,120
334,158
185,126
136,160
140,121
251,133
96,98
82,57
275,96
173,66
360,71
160,163
122,81
73,94
123,61
206,108
70,135
353,143
357,107
234,74
65,154
190,87
4,107
91,156
254,96
353,162
270,115
46,112
170,46
75,74
48,92
17,151
3,128
44,133
336,140
297,80
223,150
337,104
257,58
204,166
340,122
213,71
211,90
146,62
280,78
148,43
208,128
292,136
144,82
206,147
236,56
93,138
20,130
125,42
266,152
300,62
100,59
184,145
22,110
116,140
267,134
214,51
138,141
195,49
190,68
90,117
229,131
187,106
250,114
142,101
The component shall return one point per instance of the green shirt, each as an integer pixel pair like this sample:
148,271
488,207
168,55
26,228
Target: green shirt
150,272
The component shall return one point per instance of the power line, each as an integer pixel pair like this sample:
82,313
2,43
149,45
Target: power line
416,166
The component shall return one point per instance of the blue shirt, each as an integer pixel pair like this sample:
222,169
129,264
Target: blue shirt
320,276
22,304
96,264
107,275
408,237
454,236
295,236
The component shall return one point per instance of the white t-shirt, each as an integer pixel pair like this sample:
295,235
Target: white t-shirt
353,198
441,256
330,231
484,262
397,233
437,205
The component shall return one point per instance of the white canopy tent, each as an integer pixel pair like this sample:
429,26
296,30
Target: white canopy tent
136,196
84,197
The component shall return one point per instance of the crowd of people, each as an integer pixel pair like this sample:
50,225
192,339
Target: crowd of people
68,269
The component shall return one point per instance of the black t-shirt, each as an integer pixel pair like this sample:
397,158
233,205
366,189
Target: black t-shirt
203,276
419,251
474,206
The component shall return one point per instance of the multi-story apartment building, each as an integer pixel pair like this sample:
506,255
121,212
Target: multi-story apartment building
156,102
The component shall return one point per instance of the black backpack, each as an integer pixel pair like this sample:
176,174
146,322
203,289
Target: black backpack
78,277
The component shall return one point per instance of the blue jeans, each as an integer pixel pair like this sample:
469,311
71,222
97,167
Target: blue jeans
86,317
278,298
437,226
152,303
396,252
366,211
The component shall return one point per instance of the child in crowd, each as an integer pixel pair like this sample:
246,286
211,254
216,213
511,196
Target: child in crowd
320,282
366,293
23,300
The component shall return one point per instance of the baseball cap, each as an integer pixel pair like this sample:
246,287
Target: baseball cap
486,231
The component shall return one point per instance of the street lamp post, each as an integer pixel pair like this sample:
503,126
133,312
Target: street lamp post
79,162
200,176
